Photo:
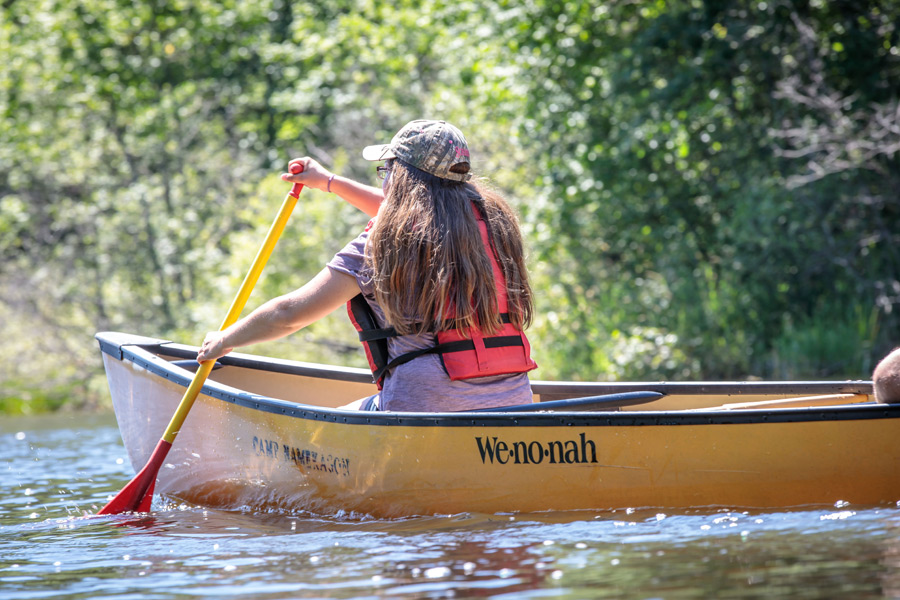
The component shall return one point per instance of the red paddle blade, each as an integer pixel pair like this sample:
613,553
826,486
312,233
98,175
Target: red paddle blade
138,494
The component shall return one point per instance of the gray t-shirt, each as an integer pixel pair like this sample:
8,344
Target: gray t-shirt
422,384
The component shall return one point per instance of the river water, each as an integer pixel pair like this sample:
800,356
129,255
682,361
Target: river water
57,471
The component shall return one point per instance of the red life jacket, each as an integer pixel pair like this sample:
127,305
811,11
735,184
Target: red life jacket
465,356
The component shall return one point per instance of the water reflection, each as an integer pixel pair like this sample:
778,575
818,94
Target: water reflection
55,474
890,564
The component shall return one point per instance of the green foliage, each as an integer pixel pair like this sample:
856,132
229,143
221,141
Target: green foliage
724,151
708,189
824,344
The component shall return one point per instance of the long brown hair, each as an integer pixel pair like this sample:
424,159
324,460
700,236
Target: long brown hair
430,268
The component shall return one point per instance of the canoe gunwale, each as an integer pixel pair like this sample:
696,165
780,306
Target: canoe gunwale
145,352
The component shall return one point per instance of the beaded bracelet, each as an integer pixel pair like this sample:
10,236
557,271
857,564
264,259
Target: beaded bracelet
329,184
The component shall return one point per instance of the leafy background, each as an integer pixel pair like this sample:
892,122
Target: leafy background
708,189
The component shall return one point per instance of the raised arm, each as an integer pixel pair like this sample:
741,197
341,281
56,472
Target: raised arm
283,315
366,198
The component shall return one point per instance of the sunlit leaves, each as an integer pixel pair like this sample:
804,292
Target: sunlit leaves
681,145
697,180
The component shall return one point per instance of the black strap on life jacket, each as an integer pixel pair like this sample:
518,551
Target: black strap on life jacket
460,346
383,333
364,320
375,338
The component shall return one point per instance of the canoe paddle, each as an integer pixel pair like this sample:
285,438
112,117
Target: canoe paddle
138,494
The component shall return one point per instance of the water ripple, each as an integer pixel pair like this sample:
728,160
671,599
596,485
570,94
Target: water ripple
58,471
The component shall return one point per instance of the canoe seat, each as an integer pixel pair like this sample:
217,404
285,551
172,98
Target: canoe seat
588,403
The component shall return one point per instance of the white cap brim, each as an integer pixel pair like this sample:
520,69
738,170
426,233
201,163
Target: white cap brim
379,152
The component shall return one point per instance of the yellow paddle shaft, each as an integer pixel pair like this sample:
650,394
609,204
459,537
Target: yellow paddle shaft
234,312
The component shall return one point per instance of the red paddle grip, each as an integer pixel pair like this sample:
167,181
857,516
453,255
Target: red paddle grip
295,191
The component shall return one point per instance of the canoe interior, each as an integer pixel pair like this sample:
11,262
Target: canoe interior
332,387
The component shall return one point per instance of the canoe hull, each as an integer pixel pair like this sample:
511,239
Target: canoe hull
268,454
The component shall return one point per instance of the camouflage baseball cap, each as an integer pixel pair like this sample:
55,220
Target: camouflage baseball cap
432,146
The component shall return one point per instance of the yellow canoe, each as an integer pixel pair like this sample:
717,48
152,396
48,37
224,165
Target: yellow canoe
267,434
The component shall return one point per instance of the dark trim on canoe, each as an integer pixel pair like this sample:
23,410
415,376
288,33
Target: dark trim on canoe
144,352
